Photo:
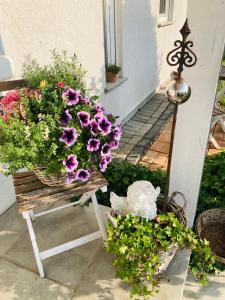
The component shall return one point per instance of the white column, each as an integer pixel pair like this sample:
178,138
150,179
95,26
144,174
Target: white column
207,23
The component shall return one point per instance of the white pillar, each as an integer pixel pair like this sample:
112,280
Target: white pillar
207,23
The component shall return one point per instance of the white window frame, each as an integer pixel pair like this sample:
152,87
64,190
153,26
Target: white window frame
167,16
112,31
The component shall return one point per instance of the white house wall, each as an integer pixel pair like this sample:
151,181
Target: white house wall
29,29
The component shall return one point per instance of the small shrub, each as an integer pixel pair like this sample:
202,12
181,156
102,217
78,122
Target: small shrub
113,69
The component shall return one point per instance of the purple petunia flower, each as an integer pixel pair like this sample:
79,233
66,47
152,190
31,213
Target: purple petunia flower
94,127
105,149
117,132
83,175
71,96
84,118
70,177
104,126
99,108
98,116
114,144
93,145
69,136
65,118
70,163
83,100
108,158
103,164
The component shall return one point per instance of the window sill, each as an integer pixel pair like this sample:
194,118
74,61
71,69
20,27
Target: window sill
165,23
112,85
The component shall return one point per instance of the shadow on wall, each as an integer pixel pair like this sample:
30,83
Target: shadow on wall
140,60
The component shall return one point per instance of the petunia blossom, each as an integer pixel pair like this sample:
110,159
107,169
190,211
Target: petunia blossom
94,127
65,118
84,118
104,126
98,116
93,144
99,108
114,144
71,177
82,175
103,164
117,132
69,136
106,149
70,163
71,96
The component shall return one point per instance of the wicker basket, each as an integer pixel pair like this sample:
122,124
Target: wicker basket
179,212
50,180
210,225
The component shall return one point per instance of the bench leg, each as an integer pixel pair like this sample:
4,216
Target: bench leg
26,216
213,141
98,215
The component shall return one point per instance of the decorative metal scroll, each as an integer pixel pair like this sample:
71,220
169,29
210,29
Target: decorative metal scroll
182,55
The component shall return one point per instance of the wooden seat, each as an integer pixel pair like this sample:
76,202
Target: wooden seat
31,193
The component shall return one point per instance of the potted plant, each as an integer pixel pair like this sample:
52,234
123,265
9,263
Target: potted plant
143,238
112,71
54,127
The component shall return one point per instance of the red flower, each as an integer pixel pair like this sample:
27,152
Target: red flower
61,84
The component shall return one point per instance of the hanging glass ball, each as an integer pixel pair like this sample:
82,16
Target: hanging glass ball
178,92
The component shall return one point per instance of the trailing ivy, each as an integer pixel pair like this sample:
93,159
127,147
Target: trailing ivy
136,244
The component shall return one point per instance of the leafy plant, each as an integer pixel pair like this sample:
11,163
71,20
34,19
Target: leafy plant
113,69
137,243
222,101
53,123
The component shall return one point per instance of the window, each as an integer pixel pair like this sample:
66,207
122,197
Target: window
165,10
112,24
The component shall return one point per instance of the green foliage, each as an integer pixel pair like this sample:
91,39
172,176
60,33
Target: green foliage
222,101
121,175
212,192
137,243
61,68
113,69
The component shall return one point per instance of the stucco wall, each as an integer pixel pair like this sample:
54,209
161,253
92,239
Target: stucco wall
29,29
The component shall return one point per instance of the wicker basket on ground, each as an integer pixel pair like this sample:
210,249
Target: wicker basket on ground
210,225
179,212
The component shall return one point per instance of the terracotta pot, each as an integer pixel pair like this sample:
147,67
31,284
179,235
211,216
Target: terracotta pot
111,77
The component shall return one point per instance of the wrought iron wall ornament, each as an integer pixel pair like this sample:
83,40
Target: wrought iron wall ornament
179,91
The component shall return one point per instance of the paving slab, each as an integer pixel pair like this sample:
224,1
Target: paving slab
19,284
214,290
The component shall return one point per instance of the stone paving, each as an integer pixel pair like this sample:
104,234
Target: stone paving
141,130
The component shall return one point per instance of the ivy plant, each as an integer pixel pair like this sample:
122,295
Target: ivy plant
137,243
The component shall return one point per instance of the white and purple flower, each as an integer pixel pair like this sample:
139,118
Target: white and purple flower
94,127
114,144
104,125
117,132
106,148
84,118
65,118
70,163
99,108
82,175
71,96
69,136
103,164
93,144
71,177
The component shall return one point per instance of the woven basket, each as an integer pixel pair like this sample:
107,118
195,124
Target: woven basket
179,212
50,180
210,225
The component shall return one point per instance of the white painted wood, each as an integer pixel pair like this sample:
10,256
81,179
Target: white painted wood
194,117
104,189
99,216
213,141
26,216
70,245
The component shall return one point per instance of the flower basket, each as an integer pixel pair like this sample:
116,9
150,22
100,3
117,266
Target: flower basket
210,225
50,179
179,212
